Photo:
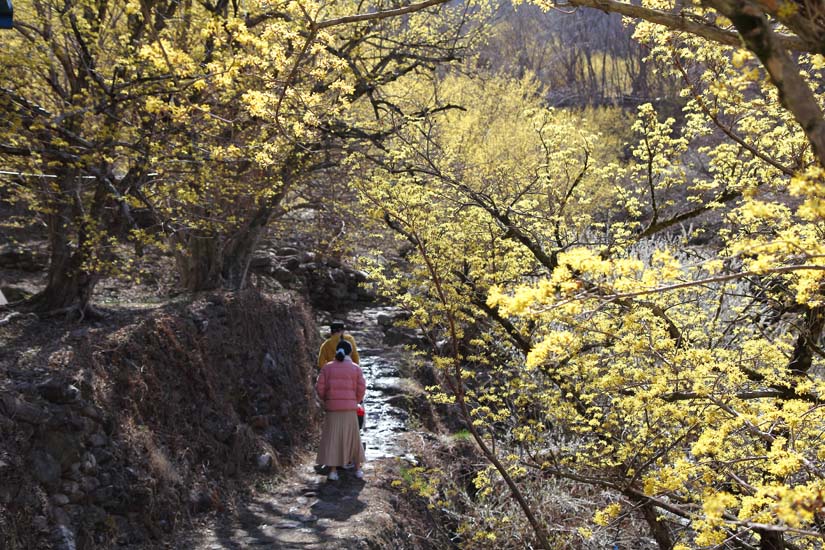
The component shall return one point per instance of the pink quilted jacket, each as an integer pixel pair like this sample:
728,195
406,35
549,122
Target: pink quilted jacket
341,385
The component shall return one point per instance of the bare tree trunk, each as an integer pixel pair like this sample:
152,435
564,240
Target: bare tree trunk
199,263
69,286
213,261
70,283
210,262
219,261
658,529
238,251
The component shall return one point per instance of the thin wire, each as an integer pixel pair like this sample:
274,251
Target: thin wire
30,175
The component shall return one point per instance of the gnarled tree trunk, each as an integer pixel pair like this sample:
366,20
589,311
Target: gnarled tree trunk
220,261
212,261
70,282
658,528
199,262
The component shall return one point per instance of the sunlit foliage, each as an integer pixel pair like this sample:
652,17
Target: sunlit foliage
646,323
205,118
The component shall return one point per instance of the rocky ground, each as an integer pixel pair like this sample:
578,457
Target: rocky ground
187,425
305,511
179,421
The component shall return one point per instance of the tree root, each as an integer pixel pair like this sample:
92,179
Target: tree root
10,317
75,311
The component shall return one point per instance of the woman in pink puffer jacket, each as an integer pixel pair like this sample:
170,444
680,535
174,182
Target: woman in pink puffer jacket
341,386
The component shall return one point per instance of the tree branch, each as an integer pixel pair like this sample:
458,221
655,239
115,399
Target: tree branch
385,14
728,131
719,279
683,22
794,92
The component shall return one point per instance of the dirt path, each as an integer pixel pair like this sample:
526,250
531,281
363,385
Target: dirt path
304,510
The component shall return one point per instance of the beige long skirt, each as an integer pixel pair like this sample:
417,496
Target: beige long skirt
340,440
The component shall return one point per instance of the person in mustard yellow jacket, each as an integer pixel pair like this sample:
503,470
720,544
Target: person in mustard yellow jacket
330,345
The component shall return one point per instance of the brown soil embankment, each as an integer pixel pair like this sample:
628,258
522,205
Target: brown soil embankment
117,433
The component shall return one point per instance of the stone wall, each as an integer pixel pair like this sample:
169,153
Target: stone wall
328,284
115,434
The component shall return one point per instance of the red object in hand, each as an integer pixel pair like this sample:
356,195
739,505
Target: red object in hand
360,409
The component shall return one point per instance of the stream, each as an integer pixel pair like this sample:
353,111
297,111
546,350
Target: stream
383,421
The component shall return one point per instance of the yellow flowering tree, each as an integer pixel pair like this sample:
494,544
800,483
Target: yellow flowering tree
67,131
476,191
273,113
651,325
205,116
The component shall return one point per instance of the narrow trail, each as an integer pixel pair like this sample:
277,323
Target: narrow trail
305,511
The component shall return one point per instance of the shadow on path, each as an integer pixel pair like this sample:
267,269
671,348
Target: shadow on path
306,511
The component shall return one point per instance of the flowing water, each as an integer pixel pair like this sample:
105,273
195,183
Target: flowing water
381,365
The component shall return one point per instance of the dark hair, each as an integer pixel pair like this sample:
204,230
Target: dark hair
335,326
342,350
